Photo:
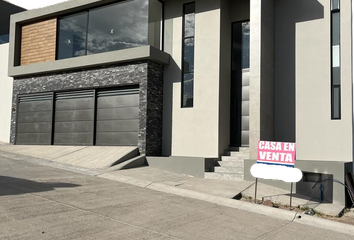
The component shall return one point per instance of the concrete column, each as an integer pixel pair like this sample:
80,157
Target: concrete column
261,73
255,75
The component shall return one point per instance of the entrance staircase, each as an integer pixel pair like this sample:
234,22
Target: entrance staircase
230,167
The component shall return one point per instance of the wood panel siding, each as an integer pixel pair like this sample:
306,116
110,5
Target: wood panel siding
38,42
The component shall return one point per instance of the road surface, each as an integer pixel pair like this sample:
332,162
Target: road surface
40,202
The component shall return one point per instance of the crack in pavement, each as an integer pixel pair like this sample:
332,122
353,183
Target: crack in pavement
66,154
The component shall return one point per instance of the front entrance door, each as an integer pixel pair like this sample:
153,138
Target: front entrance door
240,84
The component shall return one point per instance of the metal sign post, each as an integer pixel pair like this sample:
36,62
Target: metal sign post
291,194
276,161
255,191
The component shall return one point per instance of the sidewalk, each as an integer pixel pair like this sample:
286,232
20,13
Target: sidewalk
224,188
89,159
220,192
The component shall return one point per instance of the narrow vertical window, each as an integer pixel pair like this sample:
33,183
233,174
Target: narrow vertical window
335,53
188,55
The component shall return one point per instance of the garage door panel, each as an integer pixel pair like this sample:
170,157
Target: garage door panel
118,126
45,127
73,104
118,101
118,113
74,115
33,138
118,117
36,106
117,138
74,118
70,127
34,117
73,139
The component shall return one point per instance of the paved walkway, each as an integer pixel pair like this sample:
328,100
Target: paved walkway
91,157
41,202
223,188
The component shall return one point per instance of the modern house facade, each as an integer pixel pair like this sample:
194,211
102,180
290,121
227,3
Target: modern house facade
189,82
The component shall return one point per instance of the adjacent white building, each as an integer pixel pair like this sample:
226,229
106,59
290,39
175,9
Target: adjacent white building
6,9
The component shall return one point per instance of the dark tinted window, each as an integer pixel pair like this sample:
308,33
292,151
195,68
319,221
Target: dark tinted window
188,55
72,36
336,63
189,23
4,38
118,26
245,45
336,102
188,89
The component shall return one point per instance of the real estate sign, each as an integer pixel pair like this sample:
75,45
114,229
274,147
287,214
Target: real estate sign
276,160
276,153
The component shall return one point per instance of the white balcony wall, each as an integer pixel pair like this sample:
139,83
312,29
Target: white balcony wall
5,95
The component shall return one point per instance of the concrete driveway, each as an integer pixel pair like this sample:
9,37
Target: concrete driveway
40,202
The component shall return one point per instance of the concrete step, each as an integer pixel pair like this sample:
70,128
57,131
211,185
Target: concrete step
229,158
238,164
239,149
238,154
225,176
238,170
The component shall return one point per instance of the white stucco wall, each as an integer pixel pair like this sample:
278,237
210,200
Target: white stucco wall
193,131
5,95
309,63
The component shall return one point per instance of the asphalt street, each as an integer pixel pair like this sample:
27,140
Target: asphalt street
40,202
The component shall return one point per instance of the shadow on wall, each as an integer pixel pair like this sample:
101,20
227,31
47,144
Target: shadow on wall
172,75
18,186
287,14
175,9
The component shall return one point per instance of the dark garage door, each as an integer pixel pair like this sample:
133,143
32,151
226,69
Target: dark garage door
74,118
34,119
81,118
118,117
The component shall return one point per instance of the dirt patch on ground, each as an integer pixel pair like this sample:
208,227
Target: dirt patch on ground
347,218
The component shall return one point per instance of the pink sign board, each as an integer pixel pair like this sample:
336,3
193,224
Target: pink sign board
276,153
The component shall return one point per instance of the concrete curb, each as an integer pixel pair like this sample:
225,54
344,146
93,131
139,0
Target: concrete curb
325,224
161,187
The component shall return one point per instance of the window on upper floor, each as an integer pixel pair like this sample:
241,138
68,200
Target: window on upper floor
72,36
188,55
4,38
113,27
336,63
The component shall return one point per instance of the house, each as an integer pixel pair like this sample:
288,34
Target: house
190,82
